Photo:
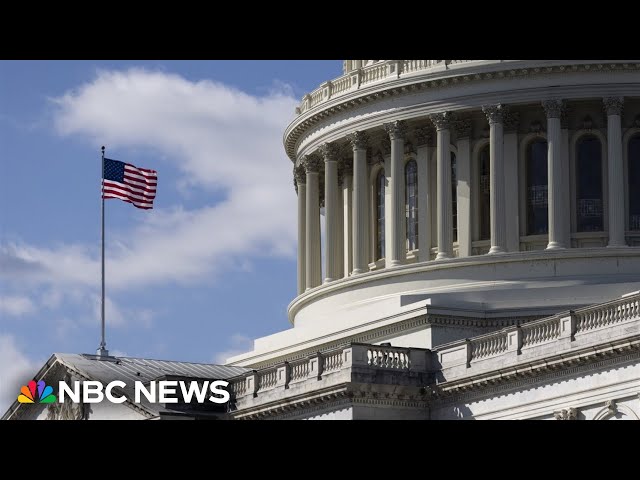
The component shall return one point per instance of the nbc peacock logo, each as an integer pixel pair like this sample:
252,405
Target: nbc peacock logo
44,393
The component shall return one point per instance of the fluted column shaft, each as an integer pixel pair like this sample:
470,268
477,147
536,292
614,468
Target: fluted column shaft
613,107
496,178
553,109
359,231
312,249
331,254
347,219
443,178
301,180
397,252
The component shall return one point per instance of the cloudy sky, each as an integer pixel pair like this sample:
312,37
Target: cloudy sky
211,267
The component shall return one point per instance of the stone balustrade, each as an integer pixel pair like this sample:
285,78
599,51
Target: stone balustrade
522,338
320,365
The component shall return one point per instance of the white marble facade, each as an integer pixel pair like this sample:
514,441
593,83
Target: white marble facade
461,198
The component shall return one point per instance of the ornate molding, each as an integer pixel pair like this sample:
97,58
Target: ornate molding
613,105
329,151
358,140
494,113
553,108
424,136
464,128
442,120
322,111
536,127
396,130
587,123
409,148
311,163
566,414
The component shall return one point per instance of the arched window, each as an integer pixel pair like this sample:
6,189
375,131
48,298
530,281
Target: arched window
411,203
634,183
380,187
454,196
484,194
536,176
589,214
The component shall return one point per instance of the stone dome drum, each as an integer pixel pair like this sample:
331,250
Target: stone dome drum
498,188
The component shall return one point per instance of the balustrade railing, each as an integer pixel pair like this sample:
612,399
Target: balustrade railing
368,75
540,331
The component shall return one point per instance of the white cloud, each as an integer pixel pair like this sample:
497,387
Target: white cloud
15,370
239,344
15,305
221,139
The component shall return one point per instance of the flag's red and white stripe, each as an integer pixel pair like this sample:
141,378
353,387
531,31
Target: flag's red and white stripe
139,187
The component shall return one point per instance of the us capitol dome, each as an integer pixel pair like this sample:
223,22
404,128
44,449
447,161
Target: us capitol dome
479,249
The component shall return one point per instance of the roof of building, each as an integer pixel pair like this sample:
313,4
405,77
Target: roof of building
130,370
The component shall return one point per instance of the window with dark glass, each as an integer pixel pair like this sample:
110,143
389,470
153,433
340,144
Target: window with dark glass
536,177
484,195
454,196
634,183
589,208
380,187
411,203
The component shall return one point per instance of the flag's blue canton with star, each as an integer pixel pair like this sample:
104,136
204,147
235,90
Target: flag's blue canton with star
113,170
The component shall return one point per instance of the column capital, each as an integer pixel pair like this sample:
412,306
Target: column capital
396,130
511,121
463,128
553,107
495,113
613,105
311,163
424,136
442,120
329,152
299,174
359,140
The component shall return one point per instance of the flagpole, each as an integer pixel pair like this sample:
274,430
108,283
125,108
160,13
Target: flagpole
102,350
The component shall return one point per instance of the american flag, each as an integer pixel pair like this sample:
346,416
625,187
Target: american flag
129,183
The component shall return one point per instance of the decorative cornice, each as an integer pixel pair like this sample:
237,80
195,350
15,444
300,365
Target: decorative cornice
318,113
613,105
442,120
553,107
329,151
494,113
397,130
464,128
311,163
424,135
359,140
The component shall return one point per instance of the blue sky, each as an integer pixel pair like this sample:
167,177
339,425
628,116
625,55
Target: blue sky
209,268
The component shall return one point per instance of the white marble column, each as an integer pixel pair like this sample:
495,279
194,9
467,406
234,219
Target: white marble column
332,264
424,138
340,208
397,243
566,192
463,188
312,165
553,110
442,123
613,106
347,216
301,184
496,178
360,192
511,184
